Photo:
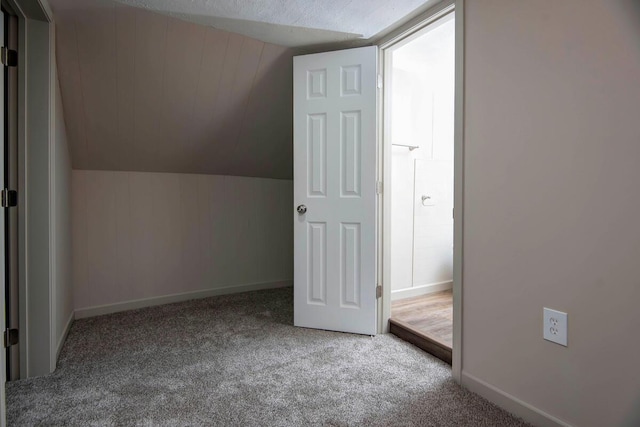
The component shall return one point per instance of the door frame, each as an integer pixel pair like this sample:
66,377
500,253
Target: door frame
11,182
36,114
384,171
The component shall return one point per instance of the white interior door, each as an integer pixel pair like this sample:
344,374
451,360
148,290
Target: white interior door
334,120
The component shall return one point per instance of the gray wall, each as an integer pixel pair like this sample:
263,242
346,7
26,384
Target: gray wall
151,101
37,292
145,236
552,151
62,279
150,93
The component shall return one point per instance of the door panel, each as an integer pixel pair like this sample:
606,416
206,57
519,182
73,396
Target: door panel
335,97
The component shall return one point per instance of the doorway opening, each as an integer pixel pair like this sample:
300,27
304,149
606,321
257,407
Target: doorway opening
419,127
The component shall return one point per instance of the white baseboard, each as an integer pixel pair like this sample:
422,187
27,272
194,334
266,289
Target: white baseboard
415,291
99,310
510,403
63,338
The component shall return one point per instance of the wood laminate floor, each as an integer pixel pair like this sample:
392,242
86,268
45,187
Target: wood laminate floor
431,314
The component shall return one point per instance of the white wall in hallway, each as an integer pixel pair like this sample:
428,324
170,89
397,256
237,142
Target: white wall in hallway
422,115
140,235
402,218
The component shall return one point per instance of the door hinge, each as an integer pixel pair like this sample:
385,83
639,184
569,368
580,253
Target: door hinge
379,187
378,291
11,337
9,198
379,81
9,57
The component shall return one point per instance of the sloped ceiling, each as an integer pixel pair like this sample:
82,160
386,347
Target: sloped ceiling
146,92
292,23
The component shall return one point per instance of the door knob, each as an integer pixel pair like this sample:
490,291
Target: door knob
301,209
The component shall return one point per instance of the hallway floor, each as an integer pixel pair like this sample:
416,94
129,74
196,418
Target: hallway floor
431,314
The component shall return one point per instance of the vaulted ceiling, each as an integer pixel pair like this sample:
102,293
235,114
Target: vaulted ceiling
160,92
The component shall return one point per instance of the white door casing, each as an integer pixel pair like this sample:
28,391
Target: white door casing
335,146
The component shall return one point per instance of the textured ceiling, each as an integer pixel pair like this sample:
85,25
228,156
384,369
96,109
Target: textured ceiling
293,23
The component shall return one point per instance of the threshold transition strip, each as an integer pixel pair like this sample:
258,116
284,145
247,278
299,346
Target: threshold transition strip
427,343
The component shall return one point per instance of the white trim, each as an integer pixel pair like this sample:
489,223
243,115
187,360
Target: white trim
383,307
431,15
63,338
510,403
384,154
23,135
53,256
99,310
415,291
46,10
385,173
458,198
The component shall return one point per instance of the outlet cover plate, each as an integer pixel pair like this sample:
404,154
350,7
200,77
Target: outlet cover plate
555,326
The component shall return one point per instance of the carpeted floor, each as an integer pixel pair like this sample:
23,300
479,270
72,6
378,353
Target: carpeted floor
237,361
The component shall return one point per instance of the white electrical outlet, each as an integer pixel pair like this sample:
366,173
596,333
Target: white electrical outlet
555,326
